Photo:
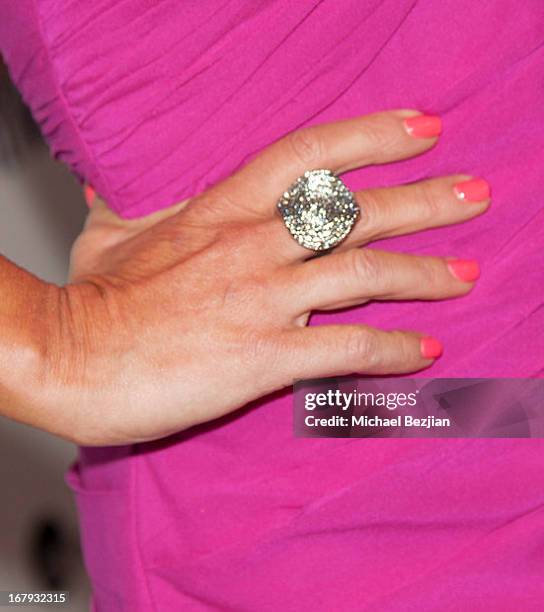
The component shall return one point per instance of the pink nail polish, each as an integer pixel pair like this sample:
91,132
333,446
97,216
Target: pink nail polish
475,190
89,194
431,348
423,126
467,270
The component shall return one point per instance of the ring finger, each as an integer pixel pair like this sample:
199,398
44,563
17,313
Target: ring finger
405,209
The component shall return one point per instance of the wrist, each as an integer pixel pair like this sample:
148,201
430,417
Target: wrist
70,362
27,315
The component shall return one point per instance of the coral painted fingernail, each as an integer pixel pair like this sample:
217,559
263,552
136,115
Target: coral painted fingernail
423,126
467,270
89,194
475,190
431,348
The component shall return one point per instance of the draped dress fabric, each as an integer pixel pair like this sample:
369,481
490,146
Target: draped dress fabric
151,102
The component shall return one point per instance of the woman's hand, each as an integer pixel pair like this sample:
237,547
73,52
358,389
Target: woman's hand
188,314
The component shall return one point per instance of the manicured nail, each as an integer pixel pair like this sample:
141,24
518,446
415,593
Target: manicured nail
90,194
475,190
431,348
423,126
466,270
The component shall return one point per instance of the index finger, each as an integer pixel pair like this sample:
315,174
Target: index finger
339,146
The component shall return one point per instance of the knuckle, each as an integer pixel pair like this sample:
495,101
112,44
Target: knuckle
430,200
430,273
377,135
364,264
362,347
403,346
371,222
306,144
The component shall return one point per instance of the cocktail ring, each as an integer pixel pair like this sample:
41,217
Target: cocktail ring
319,210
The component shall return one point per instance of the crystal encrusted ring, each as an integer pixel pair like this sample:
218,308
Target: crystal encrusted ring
319,210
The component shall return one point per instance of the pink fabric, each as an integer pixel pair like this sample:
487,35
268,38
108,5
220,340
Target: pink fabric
151,102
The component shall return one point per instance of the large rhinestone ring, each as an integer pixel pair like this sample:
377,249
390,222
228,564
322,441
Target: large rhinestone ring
319,210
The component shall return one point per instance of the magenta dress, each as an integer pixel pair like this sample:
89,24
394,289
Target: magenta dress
152,102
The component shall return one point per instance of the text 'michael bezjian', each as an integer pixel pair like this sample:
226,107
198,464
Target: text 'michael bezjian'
344,401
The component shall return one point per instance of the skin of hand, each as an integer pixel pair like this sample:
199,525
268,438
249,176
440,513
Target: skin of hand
183,316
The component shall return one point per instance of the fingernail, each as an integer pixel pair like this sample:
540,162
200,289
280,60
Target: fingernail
475,190
467,270
431,348
423,126
89,194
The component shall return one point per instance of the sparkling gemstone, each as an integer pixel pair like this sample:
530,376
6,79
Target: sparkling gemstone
319,210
